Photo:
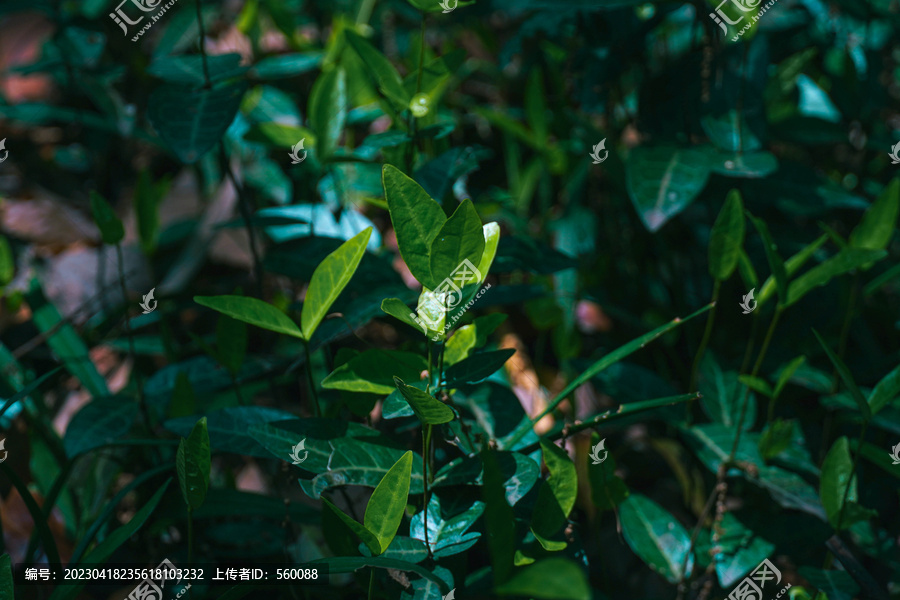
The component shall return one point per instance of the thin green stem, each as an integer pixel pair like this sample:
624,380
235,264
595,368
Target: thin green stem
759,360
246,216
426,435
707,333
309,379
190,536
845,328
371,583
134,367
862,437
748,352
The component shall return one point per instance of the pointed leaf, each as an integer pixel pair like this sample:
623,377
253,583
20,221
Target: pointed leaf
388,502
842,262
328,110
253,311
656,536
367,537
727,237
329,280
429,409
417,219
885,391
193,463
556,496
878,222
787,373
477,367
836,471
791,266
847,378
776,263
111,229
398,309
662,181
374,370
550,579
380,69
461,238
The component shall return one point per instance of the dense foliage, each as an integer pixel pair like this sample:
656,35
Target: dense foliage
529,299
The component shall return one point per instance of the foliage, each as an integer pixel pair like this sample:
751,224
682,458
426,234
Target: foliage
400,356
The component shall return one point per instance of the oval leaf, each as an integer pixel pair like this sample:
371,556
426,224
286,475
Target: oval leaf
388,502
727,237
656,536
429,409
192,463
253,311
111,229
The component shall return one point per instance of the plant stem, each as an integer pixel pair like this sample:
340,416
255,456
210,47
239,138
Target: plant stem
426,440
309,379
137,374
710,319
190,535
246,215
862,437
845,328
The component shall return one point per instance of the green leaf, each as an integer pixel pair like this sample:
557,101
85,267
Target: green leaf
791,266
328,110
722,395
287,65
885,391
836,585
498,516
758,384
429,409
847,378
461,238
663,180
253,311
556,497
388,502
742,551
380,70
367,537
6,578
842,262
491,242
98,423
189,69
7,261
329,280
875,230
348,564
193,463
477,367
656,536
374,371
417,219
787,373
147,197
229,428
192,121
727,237
447,531
551,578
398,309
776,438
776,264
470,337
837,469
111,229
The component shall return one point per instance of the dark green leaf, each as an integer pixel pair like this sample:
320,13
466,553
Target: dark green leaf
98,423
498,517
791,266
188,69
776,438
878,223
836,585
836,484
380,70
388,502
727,237
446,531
663,181
429,409
847,378
193,463
776,263
374,371
885,391
231,343
229,428
192,121
461,238
656,536
551,578
111,229
477,367
556,496
287,65
345,564
842,262
328,110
